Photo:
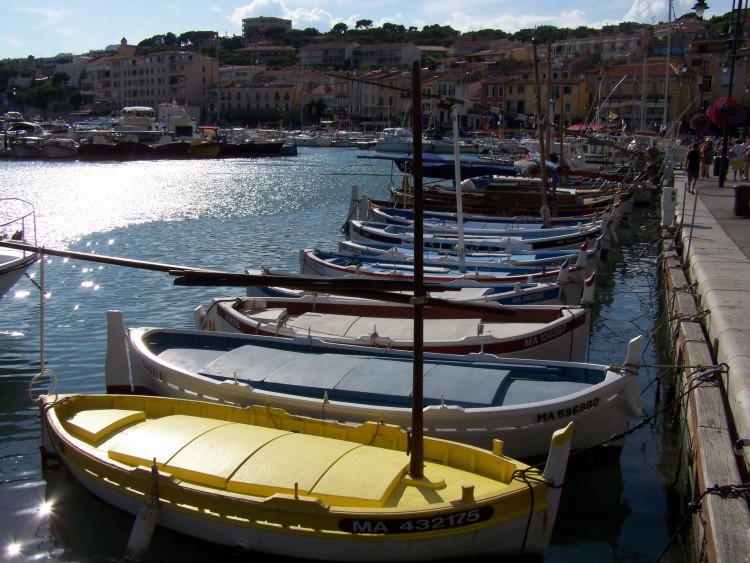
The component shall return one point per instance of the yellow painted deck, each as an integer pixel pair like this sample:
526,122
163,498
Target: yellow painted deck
260,461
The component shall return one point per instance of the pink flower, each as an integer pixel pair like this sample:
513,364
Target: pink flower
700,122
726,111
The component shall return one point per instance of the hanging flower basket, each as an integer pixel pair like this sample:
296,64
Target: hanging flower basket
700,123
726,111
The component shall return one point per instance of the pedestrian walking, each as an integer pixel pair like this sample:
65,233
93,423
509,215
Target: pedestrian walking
737,158
707,157
692,166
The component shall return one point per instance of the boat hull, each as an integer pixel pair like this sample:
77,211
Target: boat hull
13,265
328,264
288,520
535,332
600,409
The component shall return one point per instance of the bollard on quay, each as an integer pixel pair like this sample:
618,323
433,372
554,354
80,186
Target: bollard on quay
742,200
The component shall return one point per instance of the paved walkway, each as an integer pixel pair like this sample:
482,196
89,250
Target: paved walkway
716,249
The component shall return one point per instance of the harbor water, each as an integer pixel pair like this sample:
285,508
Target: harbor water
231,215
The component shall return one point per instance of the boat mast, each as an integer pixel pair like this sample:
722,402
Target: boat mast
417,422
218,79
461,250
541,132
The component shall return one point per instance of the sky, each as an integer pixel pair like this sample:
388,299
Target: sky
45,28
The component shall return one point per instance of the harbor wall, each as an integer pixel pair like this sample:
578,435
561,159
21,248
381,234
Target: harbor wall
706,340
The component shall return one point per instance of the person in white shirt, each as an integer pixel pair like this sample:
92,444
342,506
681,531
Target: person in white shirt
737,158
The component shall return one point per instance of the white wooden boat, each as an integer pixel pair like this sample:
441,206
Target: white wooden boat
316,262
548,332
471,398
259,479
565,290
17,225
518,293
478,240
584,257
403,216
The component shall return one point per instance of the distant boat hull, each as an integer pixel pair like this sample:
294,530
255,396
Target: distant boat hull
251,149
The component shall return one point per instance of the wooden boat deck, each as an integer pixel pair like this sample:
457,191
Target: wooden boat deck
383,381
254,460
352,326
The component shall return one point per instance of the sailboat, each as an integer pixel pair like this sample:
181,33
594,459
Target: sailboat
260,479
19,225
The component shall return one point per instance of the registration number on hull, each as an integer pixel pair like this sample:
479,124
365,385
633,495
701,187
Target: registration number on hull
416,525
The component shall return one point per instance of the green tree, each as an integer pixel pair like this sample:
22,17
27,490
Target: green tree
363,24
275,34
340,29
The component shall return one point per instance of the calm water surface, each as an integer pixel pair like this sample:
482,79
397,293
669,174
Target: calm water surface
231,215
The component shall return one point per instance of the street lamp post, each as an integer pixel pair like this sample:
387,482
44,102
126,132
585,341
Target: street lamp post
736,21
667,72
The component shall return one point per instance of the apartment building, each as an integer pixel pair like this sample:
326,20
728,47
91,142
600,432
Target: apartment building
267,53
328,55
386,55
252,27
605,47
125,79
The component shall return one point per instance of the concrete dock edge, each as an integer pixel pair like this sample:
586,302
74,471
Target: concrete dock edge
705,282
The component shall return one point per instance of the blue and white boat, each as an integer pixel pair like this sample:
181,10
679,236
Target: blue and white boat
318,262
472,399
478,239
401,216
584,257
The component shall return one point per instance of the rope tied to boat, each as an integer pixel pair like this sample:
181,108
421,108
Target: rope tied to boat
529,480
702,376
722,491
692,318
710,373
728,491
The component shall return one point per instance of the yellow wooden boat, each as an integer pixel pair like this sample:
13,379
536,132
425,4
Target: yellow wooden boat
260,479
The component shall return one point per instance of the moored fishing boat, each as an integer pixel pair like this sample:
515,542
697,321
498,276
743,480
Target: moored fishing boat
471,398
585,258
59,147
252,147
437,237
558,293
318,262
235,476
202,148
401,216
547,332
26,146
17,225
502,198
